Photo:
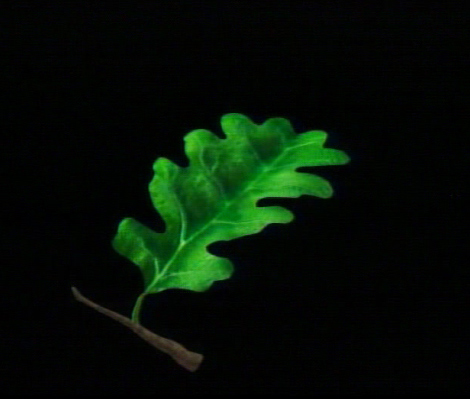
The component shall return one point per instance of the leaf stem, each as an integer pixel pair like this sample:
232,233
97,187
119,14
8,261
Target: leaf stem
136,310
189,360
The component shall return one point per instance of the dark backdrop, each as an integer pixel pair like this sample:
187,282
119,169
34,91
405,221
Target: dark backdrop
363,292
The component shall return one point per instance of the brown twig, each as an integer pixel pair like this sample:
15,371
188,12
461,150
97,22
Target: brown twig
189,360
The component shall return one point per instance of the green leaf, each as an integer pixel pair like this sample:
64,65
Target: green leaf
214,198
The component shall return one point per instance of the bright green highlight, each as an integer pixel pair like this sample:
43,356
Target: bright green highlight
214,199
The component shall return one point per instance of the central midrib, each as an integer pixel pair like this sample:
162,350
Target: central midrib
183,242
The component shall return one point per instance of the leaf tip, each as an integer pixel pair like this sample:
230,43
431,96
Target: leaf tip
345,158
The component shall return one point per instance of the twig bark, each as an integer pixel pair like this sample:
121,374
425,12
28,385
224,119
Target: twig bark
189,360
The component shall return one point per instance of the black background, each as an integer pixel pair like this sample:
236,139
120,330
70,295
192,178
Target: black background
363,292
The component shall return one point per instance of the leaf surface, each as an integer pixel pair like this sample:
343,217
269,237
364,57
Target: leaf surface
214,198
